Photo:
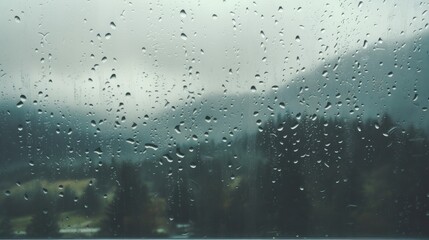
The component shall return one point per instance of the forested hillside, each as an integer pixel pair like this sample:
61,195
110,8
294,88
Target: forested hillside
300,175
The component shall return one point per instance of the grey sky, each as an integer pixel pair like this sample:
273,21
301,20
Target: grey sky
249,37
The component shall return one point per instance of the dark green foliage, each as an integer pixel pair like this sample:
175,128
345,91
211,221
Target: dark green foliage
322,177
6,230
44,223
66,202
298,176
90,201
129,214
210,199
179,208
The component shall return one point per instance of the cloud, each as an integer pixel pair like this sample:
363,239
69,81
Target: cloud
229,45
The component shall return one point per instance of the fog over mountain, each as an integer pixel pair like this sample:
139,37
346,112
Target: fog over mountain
386,77
97,53
93,80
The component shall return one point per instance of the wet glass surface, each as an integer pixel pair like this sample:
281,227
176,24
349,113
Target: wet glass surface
214,119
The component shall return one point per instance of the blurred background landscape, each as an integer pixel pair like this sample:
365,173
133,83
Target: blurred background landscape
221,119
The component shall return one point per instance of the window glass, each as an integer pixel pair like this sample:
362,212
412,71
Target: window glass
214,118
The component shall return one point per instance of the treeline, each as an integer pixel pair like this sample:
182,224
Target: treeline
44,207
307,176
298,176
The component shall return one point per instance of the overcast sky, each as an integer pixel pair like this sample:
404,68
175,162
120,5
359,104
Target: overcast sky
162,51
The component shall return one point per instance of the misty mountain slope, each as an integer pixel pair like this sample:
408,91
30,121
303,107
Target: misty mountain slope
370,82
387,77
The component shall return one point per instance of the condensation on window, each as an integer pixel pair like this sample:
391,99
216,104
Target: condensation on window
214,119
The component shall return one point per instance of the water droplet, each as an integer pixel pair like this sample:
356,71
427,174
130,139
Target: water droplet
130,141
108,35
177,129
183,13
193,165
390,74
360,4
214,16
98,151
19,104
183,36
294,126
328,105
17,19
151,146
179,154
168,158
297,38
253,88
325,73
112,25
7,193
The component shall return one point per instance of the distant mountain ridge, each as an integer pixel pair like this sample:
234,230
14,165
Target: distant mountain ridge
388,77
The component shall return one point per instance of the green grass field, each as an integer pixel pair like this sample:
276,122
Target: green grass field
66,220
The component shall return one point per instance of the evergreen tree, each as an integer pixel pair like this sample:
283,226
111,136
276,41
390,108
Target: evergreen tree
179,208
129,214
6,229
66,202
44,223
90,201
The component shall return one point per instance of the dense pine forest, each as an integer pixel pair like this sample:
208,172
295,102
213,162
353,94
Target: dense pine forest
298,176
